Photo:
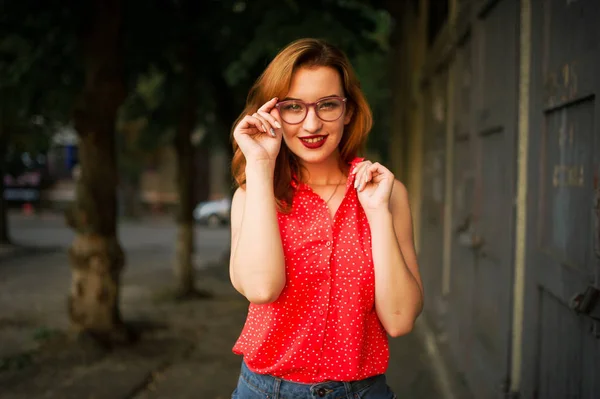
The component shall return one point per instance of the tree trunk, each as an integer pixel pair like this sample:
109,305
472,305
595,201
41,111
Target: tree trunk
4,237
96,256
184,267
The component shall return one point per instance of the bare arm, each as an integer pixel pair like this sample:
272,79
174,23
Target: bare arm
257,268
398,286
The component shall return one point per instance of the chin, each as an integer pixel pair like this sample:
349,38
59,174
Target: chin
314,156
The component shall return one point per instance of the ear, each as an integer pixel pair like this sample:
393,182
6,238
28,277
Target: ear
349,115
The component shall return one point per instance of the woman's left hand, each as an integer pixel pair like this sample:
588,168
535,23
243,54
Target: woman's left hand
373,184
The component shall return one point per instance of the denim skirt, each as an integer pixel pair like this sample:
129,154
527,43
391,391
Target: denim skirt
259,386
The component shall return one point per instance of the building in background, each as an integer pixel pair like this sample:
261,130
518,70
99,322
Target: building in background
157,191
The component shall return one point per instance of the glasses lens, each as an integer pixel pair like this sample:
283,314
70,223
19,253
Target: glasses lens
330,109
292,111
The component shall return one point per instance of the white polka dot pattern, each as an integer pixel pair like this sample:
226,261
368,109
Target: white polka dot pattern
323,327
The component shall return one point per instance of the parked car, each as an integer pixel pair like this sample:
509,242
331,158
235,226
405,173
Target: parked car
213,213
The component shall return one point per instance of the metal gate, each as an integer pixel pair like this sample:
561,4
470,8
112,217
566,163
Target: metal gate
561,350
483,250
460,298
432,212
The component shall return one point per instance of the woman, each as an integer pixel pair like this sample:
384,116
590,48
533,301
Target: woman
322,241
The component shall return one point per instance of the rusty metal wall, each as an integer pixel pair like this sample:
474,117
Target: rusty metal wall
433,187
461,290
470,281
494,138
476,310
561,336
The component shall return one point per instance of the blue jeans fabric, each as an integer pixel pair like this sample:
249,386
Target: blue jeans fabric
260,386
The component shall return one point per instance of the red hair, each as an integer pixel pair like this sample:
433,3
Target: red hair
275,81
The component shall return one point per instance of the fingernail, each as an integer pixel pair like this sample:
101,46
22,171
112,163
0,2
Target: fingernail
272,132
277,125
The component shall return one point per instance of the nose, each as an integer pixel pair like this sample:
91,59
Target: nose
312,124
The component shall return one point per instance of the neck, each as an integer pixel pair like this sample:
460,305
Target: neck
324,173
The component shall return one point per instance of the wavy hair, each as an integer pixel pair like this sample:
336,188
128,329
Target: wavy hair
275,81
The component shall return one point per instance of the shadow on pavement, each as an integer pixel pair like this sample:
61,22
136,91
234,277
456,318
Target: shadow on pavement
184,351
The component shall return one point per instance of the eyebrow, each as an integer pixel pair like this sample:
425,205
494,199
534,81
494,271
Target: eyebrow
297,99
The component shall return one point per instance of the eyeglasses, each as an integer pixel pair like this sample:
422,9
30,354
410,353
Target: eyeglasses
327,109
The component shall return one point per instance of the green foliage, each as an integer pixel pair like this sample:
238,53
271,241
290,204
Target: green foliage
372,69
42,334
144,123
16,362
361,30
231,42
347,24
39,68
39,74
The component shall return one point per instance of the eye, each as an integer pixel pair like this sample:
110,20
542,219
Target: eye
329,105
292,107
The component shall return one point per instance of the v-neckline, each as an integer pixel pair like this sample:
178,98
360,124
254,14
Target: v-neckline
349,181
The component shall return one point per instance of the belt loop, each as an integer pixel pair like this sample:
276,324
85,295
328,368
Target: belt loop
276,387
349,390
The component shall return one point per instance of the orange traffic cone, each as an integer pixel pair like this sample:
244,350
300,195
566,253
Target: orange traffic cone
27,209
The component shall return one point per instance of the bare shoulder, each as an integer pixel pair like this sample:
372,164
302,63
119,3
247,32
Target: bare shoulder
399,199
401,213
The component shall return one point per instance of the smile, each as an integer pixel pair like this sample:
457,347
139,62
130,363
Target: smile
313,139
313,142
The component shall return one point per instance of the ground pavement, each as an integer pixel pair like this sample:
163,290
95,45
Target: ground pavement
184,350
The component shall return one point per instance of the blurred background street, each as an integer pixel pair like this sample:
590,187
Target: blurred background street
115,154
186,347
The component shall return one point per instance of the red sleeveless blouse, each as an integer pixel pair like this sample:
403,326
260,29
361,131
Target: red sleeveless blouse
323,326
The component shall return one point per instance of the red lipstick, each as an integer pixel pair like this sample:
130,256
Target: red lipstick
313,142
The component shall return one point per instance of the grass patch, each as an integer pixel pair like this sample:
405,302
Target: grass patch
16,362
44,334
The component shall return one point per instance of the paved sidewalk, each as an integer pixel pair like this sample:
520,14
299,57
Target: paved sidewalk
185,351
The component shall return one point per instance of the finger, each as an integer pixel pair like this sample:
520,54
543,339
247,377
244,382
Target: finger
251,123
266,125
361,167
379,173
367,174
364,180
374,168
378,177
360,181
266,107
275,114
357,175
379,169
274,122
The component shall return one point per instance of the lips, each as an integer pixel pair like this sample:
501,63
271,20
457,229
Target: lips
313,142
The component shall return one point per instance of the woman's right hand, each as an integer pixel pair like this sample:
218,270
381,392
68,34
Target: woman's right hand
259,135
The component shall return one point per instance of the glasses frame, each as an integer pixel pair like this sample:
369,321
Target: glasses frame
313,105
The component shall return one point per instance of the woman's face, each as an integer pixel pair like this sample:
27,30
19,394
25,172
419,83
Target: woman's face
314,140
